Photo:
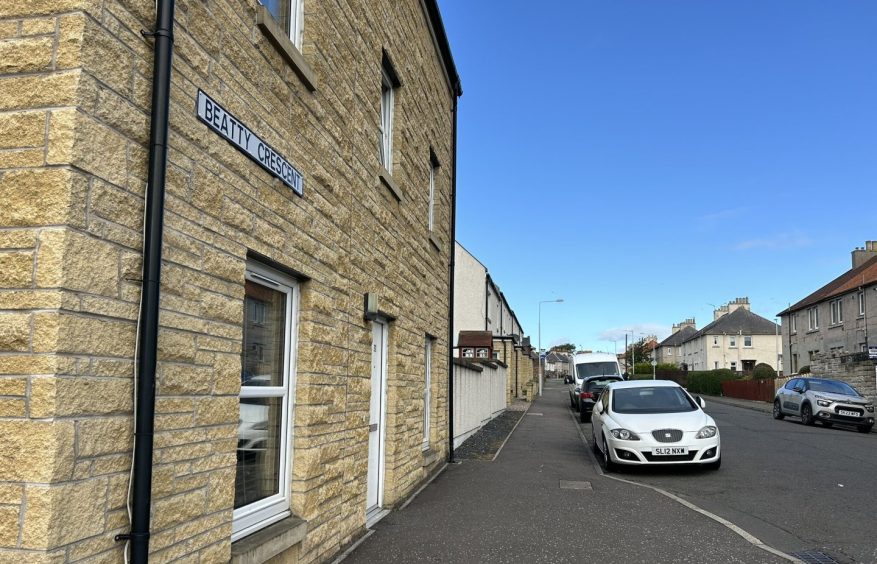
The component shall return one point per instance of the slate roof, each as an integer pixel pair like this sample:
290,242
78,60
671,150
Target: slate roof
740,321
678,337
850,280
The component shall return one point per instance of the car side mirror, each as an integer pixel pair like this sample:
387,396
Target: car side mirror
700,402
798,389
598,407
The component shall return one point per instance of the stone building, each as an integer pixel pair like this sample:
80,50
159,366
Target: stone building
310,163
839,318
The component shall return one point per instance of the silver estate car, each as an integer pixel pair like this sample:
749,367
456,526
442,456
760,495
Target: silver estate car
824,400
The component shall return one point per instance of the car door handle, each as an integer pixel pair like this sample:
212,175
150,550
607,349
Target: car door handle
372,427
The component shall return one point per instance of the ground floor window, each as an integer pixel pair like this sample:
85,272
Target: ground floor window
264,451
427,395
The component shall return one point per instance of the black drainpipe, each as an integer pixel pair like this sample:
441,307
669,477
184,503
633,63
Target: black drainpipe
141,499
452,266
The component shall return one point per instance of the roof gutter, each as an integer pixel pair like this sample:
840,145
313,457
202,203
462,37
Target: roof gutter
440,37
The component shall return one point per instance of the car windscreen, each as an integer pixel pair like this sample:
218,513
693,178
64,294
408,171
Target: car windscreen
588,369
832,387
599,383
664,399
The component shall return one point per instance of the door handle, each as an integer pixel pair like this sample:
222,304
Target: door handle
372,427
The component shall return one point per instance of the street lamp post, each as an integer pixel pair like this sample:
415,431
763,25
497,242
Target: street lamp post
558,300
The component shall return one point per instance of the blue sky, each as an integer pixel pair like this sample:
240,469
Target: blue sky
642,159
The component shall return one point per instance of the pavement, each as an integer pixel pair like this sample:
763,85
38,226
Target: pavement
746,404
545,499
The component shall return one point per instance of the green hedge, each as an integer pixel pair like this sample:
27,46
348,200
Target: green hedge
709,381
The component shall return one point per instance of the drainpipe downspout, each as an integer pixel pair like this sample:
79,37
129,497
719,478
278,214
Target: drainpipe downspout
141,497
452,265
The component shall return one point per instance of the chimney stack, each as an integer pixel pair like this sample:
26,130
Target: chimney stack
861,255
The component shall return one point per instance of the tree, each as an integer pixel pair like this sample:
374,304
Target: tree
639,351
564,348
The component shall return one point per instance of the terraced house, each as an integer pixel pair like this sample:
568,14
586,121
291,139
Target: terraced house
238,225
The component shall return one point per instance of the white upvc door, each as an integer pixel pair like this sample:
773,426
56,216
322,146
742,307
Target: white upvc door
377,418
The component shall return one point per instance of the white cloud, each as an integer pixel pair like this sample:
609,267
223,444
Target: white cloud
719,218
639,329
779,242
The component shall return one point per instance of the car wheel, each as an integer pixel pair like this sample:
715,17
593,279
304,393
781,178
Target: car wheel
572,402
806,414
594,442
583,414
715,465
607,459
777,410
865,428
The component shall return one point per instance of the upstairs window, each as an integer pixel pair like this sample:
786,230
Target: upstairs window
837,311
794,322
813,318
747,341
861,303
433,172
389,84
289,15
733,341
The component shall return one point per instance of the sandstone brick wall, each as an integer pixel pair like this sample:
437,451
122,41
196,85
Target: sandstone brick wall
75,85
854,369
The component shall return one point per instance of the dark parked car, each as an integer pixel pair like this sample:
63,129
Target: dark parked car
588,393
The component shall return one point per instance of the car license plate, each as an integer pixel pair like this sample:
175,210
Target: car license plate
669,451
847,413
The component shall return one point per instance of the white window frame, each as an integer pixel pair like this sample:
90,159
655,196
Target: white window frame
433,167
861,303
296,22
715,340
388,100
813,318
427,390
732,341
734,365
258,515
836,310
749,338
794,322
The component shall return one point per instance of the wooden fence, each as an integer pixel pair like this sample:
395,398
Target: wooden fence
756,390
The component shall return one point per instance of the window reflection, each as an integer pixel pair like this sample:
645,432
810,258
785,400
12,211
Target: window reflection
258,453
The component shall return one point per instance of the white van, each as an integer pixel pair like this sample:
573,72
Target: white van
586,365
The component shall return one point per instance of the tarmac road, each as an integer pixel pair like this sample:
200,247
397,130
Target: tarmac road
796,488
519,508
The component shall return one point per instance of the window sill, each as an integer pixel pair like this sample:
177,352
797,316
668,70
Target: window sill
435,242
836,325
268,25
429,457
387,180
263,545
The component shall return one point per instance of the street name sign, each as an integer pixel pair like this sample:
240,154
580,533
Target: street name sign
244,140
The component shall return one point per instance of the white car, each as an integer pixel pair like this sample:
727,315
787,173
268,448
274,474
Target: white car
653,422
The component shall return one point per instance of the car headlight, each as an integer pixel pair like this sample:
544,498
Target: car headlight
869,407
707,432
624,435
823,403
